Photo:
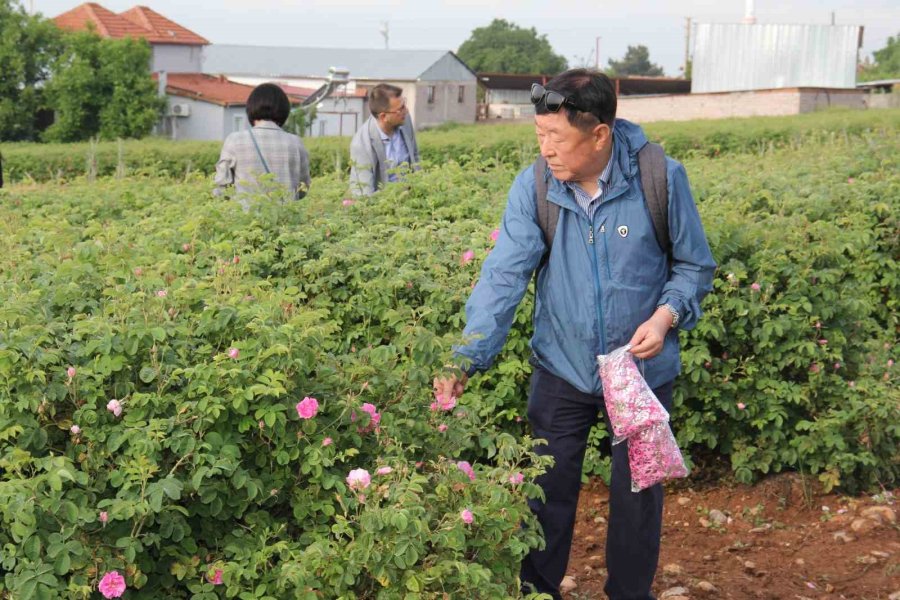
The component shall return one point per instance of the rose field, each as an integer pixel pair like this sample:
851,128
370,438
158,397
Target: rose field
201,402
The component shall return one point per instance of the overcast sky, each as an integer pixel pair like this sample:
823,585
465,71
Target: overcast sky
571,26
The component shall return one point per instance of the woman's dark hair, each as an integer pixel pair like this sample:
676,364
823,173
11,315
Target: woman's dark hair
591,90
268,102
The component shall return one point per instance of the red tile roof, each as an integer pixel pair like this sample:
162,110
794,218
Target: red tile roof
210,88
164,31
139,22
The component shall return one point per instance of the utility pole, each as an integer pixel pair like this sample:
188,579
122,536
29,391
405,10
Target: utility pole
687,45
385,33
597,57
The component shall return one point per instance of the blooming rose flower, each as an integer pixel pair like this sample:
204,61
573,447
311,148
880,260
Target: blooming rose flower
104,516
161,293
359,479
741,405
186,247
442,427
114,406
445,402
71,372
112,585
383,470
467,257
467,516
823,342
466,468
138,271
755,286
495,234
516,478
307,408
234,353
374,420
814,368
327,441
75,429
236,260
348,202
215,578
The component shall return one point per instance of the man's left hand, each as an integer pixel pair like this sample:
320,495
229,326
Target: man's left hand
649,338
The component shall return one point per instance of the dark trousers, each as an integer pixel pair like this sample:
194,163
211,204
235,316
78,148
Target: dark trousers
564,416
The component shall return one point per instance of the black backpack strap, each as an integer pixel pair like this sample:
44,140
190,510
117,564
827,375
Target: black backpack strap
652,165
548,212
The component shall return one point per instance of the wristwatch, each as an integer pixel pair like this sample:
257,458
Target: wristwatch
673,312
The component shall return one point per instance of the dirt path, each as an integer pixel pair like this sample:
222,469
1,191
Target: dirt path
777,540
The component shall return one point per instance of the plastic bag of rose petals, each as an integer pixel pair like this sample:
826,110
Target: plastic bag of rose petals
630,403
653,455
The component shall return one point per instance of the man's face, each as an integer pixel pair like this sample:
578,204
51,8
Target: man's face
396,114
571,154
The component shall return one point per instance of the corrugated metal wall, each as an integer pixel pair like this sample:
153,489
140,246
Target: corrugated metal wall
732,57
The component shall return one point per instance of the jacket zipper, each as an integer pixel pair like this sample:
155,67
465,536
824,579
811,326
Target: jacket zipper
606,251
597,288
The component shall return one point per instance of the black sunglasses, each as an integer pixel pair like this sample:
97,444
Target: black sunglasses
552,100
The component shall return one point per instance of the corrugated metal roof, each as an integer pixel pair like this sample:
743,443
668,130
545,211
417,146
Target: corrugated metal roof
272,61
734,56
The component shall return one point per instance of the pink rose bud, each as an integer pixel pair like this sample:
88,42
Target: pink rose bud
814,368
495,234
138,271
383,470
823,342
161,293
851,180
71,372
75,429
442,427
327,442
818,325
837,366
467,257
741,406
104,516
890,362
467,516
852,384
233,353
348,202
186,247
754,286
236,260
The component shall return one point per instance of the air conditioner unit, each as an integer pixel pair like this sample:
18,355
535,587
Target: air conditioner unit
179,110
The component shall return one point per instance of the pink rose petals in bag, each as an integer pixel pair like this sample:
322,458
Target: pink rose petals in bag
653,455
636,414
630,403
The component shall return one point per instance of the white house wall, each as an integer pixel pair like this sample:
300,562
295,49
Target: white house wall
206,121
176,58
446,105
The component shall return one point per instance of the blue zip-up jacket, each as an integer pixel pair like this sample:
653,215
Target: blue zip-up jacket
600,282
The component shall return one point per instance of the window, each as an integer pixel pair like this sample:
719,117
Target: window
430,94
461,95
238,123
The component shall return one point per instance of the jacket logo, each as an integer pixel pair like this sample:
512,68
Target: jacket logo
623,230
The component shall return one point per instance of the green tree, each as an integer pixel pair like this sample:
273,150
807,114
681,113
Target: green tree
102,87
635,62
28,45
887,62
504,47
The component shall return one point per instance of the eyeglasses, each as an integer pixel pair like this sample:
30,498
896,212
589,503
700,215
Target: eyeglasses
552,100
399,110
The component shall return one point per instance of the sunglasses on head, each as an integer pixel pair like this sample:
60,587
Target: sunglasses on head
552,100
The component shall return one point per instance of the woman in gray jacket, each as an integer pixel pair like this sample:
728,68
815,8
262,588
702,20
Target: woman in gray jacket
264,149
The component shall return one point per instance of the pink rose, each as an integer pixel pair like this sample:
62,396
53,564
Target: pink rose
445,403
851,180
467,257
348,202
215,578
186,247
442,427
383,470
818,325
327,442
236,260
890,362
75,429
814,368
837,366
852,384
138,271
112,585
104,516
359,479
466,468
495,234
234,353
754,286
70,372
467,516
741,406
161,293
823,342
307,408
114,406
374,420
516,478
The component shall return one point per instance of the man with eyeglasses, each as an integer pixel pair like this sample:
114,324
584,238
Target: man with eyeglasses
384,143
602,282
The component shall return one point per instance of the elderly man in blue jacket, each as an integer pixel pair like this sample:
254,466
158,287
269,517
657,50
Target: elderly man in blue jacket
605,282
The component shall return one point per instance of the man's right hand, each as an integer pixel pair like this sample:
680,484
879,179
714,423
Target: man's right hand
451,383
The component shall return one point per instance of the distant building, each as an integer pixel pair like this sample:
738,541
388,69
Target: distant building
437,85
207,85
732,57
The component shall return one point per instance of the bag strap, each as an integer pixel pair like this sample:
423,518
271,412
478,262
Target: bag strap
652,165
258,151
548,212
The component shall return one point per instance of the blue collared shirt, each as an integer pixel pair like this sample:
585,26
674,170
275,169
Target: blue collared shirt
396,151
587,203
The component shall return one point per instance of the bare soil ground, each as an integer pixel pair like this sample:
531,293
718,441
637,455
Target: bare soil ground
781,539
